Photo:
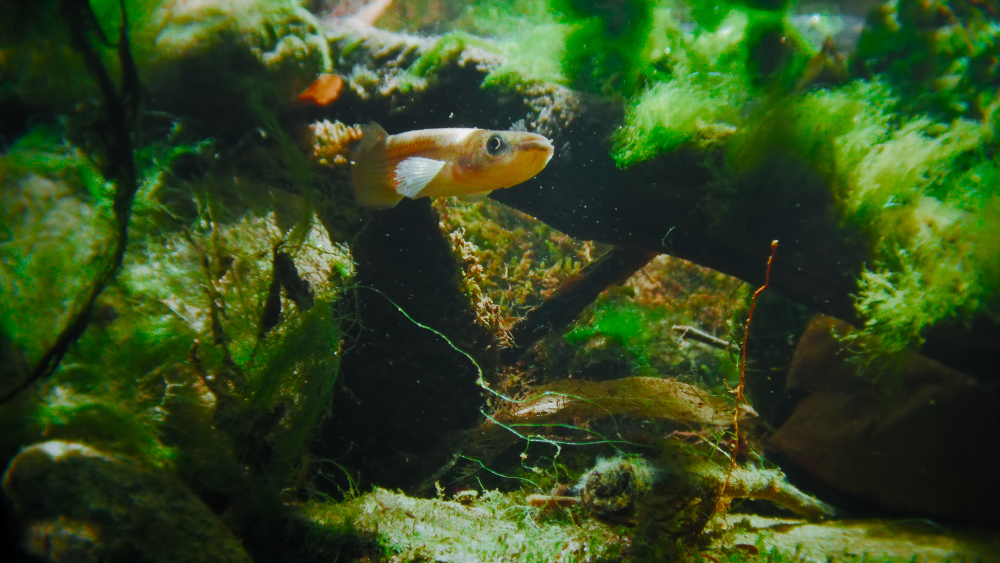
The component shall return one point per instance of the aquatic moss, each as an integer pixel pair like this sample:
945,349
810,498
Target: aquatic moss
493,527
534,53
591,46
57,228
915,187
107,422
188,301
41,66
941,57
523,259
642,315
43,70
671,114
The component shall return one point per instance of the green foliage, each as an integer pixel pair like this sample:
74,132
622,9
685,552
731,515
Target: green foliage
916,188
56,228
641,318
624,322
40,64
496,527
446,48
174,369
41,67
112,425
592,46
941,57
922,191
674,113
521,260
611,46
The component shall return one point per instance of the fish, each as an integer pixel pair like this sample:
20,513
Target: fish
442,162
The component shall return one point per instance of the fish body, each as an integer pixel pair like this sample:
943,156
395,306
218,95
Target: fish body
442,162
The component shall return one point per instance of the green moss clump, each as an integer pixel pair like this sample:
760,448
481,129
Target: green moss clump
940,56
916,188
174,368
641,317
114,425
57,228
519,259
493,527
41,67
672,114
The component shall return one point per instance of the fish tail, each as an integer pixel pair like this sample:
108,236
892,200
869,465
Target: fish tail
373,182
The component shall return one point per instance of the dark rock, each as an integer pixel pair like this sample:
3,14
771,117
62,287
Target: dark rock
405,388
78,504
601,358
917,442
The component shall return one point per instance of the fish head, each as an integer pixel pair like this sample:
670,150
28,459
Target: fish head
500,159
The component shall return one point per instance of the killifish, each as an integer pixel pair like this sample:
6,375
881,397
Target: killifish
442,162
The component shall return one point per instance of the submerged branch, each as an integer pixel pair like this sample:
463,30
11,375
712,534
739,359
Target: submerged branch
573,296
698,335
669,204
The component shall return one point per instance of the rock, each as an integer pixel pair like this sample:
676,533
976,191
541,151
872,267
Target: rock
79,504
406,387
916,442
601,358
491,527
859,540
212,56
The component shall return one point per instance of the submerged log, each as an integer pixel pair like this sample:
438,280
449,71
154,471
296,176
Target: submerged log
663,205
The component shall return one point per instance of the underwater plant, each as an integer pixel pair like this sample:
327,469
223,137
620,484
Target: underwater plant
268,349
908,179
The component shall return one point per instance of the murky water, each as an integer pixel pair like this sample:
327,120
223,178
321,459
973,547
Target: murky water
459,280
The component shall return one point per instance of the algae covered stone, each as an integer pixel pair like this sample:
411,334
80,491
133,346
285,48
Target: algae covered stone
81,504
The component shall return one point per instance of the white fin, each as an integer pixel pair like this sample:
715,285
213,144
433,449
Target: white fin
414,173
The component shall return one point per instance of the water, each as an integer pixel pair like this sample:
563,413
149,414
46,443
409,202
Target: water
743,308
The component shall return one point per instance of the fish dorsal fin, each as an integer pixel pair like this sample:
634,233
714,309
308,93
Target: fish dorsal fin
414,173
372,135
373,187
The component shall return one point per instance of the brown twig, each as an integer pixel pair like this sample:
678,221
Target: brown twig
698,335
740,399
573,296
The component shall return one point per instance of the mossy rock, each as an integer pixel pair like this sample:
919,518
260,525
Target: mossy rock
81,504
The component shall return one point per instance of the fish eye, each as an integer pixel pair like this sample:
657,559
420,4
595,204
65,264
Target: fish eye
495,144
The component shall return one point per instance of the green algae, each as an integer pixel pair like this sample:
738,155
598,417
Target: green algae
183,317
57,228
905,149
41,67
491,527
914,187
641,318
159,314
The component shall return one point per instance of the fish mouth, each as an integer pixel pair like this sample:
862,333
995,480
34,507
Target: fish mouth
537,144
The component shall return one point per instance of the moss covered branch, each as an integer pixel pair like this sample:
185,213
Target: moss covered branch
715,190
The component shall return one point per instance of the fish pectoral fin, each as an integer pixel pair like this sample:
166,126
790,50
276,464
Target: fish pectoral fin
414,173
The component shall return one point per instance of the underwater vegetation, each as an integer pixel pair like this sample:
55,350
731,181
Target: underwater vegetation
211,350
906,161
895,137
